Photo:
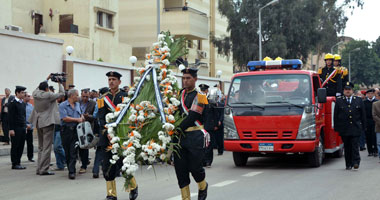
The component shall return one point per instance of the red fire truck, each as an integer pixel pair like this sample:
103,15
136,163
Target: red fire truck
276,108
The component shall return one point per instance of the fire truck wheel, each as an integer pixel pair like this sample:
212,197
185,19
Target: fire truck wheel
240,159
316,158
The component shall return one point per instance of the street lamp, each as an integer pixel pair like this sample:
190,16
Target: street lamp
69,50
349,63
133,60
260,36
332,48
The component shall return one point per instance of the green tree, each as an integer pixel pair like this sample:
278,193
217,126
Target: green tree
376,46
365,63
290,29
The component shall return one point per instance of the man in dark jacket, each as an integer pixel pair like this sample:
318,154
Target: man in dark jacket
4,115
210,123
349,121
370,134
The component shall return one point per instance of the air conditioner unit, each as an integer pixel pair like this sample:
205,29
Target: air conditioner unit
202,54
13,28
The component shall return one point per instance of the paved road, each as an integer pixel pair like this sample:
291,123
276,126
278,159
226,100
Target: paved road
263,178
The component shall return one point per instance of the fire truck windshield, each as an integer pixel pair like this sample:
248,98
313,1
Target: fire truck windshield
270,90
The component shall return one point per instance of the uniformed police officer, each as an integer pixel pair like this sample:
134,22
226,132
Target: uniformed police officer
17,126
349,121
343,70
370,133
332,75
107,104
189,158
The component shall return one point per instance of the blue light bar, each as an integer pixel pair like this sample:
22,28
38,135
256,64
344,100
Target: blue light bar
275,64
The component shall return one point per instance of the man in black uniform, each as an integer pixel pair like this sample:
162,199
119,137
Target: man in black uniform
210,123
334,84
189,158
17,126
349,121
370,134
114,96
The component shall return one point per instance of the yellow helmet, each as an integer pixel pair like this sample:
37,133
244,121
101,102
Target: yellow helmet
329,56
278,58
337,57
267,59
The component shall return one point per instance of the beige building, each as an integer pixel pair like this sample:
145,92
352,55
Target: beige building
91,27
196,21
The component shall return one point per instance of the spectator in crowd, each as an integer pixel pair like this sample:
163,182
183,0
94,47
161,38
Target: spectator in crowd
360,94
210,123
377,95
4,115
376,118
51,89
71,86
29,128
17,127
94,95
219,134
89,110
370,133
44,116
71,115
59,153
185,8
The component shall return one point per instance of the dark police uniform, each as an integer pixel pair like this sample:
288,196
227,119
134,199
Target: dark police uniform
334,85
110,171
189,158
17,123
370,126
349,121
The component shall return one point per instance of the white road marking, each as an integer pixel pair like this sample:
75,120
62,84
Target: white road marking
224,183
250,174
180,198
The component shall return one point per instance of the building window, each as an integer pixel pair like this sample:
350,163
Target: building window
104,19
189,44
199,44
65,23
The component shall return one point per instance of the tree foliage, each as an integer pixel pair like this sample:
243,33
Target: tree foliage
290,28
365,63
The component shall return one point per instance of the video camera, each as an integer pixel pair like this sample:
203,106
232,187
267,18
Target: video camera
58,77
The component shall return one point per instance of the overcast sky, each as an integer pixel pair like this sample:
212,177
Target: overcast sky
364,23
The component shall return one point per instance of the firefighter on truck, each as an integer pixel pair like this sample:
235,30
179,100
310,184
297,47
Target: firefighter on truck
331,77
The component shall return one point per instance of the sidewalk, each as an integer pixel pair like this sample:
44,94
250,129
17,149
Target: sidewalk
5,150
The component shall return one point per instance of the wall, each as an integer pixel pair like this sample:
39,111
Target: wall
5,13
27,59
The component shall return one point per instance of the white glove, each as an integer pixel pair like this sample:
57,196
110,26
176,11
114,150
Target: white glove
338,94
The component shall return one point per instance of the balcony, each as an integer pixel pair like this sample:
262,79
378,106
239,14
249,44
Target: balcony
191,23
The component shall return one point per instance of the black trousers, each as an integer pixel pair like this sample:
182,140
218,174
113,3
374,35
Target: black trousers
190,158
29,143
370,135
5,126
110,171
209,151
69,138
17,147
83,154
351,150
219,135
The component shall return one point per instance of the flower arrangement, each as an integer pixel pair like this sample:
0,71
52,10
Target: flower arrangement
142,127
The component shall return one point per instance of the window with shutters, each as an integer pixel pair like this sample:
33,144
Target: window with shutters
104,19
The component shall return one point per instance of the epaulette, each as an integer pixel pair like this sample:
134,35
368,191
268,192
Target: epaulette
100,102
202,98
320,70
344,71
338,70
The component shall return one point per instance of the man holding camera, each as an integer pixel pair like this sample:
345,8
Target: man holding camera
44,116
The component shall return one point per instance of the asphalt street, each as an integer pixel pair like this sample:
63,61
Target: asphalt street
274,178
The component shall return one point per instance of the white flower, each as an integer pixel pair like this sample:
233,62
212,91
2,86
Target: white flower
151,159
114,140
181,67
109,117
162,156
151,115
137,79
131,92
141,118
168,126
136,134
148,62
161,37
166,62
115,146
126,100
115,157
132,118
116,114
171,118
110,130
148,77
112,161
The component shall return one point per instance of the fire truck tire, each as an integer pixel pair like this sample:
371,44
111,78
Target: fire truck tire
316,158
339,153
240,159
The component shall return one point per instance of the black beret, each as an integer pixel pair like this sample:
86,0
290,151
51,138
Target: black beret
370,90
114,74
192,71
203,86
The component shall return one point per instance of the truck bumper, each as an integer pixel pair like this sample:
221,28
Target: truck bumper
292,146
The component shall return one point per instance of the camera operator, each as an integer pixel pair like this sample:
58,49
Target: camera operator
44,117
71,115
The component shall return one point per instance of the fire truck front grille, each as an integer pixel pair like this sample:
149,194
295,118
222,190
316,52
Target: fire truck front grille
247,134
287,134
265,134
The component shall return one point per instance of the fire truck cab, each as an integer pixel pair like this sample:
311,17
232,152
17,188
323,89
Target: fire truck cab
277,108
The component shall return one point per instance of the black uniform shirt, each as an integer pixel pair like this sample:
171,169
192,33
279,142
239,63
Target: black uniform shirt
334,85
190,100
368,110
17,114
104,109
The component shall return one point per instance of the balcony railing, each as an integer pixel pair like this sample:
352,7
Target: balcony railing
185,9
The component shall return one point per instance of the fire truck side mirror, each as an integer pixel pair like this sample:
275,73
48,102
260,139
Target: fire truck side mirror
322,95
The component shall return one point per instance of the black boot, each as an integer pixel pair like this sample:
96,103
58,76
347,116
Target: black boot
202,194
111,198
134,193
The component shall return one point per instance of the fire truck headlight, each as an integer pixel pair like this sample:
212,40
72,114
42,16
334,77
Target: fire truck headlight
307,128
230,134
